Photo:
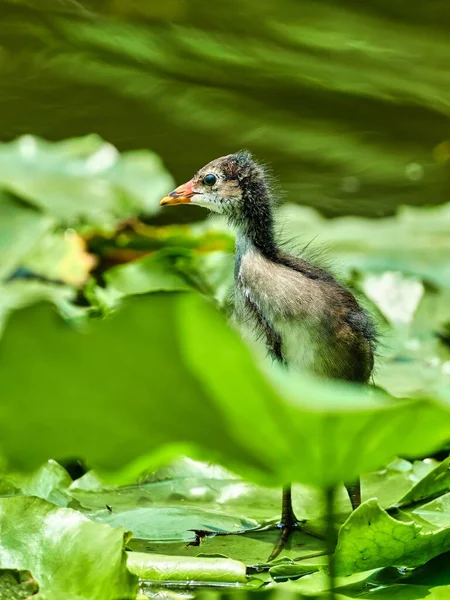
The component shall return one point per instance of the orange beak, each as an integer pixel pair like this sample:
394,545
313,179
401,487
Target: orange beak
182,195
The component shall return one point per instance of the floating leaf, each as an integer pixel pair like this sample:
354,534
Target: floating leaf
171,523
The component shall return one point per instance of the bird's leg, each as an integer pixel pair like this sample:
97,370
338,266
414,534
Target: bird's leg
288,522
354,492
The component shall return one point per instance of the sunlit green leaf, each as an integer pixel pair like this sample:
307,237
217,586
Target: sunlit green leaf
193,366
67,554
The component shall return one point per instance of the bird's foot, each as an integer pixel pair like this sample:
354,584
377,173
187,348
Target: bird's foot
286,531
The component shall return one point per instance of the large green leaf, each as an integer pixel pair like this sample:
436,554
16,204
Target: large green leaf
83,178
321,432
117,393
371,538
68,555
167,375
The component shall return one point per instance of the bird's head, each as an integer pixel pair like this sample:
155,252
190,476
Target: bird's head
226,185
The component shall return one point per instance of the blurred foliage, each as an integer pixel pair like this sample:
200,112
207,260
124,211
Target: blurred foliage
348,101
114,351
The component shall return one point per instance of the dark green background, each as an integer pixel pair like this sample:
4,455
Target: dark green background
341,98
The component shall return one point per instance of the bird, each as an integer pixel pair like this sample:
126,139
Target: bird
305,319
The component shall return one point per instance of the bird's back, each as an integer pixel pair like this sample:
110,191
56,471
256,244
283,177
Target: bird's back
303,316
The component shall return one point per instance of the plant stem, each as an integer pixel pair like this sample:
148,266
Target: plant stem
331,538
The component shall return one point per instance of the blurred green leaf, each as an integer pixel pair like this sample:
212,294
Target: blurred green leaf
194,367
61,257
153,273
21,229
83,179
19,293
127,376
415,242
58,545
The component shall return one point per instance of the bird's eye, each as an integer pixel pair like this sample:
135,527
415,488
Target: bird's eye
209,179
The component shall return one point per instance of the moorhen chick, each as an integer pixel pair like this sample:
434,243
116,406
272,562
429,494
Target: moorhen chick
305,318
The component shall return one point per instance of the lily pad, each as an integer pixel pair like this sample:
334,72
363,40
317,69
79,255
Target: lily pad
371,539
171,523
58,545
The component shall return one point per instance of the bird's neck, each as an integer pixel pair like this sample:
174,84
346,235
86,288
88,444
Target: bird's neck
255,228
